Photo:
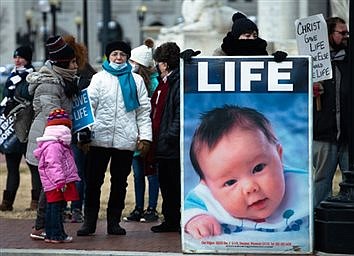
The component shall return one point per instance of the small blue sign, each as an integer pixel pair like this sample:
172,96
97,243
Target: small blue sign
82,112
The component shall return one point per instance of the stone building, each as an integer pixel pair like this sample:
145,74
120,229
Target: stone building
32,20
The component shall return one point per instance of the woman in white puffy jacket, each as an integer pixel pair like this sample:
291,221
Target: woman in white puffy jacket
121,108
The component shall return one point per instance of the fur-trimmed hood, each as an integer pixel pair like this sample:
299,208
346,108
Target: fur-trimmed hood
56,133
44,75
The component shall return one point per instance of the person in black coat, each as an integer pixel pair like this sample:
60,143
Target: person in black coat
16,91
165,149
244,40
331,114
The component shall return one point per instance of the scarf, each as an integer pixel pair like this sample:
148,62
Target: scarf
15,94
243,47
338,54
127,85
22,72
66,74
69,77
158,103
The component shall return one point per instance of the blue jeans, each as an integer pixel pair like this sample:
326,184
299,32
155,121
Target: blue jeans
326,157
139,184
80,160
54,226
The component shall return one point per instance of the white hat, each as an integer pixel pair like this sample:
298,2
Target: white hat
143,53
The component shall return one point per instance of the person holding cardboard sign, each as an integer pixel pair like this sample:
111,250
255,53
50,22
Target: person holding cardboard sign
121,106
331,117
15,93
244,40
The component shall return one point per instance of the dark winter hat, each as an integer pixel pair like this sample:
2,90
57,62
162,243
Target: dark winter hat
59,117
59,50
242,25
117,45
24,52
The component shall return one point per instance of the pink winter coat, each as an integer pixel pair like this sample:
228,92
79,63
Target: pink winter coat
56,161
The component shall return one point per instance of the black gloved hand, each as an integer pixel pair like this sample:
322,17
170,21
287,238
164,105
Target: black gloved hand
279,56
187,55
84,136
10,104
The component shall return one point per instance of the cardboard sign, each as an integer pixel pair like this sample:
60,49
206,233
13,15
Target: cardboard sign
82,112
8,139
232,155
312,39
6,128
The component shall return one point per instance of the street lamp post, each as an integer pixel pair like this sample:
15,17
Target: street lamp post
29,17
141,12
55,5
106,14
78,22
44,7
84,10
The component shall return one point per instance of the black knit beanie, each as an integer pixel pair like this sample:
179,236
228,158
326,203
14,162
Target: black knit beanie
24,52
242,25
59,50
117,45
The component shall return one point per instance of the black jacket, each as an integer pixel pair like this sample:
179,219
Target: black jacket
18,90
168,145
324,121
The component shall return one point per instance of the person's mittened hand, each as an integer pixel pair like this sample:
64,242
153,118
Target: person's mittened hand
10,104
144,147
187,55
84,136
279,56
84,147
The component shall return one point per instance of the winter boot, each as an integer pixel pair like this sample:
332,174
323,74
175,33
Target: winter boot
113,219
7,200
90,221
33,206
34,202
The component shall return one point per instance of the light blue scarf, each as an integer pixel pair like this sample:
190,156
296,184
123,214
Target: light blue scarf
127,84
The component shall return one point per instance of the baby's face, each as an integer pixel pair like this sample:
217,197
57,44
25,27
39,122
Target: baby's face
245,174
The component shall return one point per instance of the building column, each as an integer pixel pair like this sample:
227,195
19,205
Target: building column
276,21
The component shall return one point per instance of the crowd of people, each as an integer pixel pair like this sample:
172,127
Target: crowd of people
135,99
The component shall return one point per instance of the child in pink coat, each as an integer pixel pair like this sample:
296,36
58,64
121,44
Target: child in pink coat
58,173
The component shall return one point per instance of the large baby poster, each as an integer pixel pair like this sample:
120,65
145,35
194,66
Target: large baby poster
246,179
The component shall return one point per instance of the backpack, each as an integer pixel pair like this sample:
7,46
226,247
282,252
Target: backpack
23,118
